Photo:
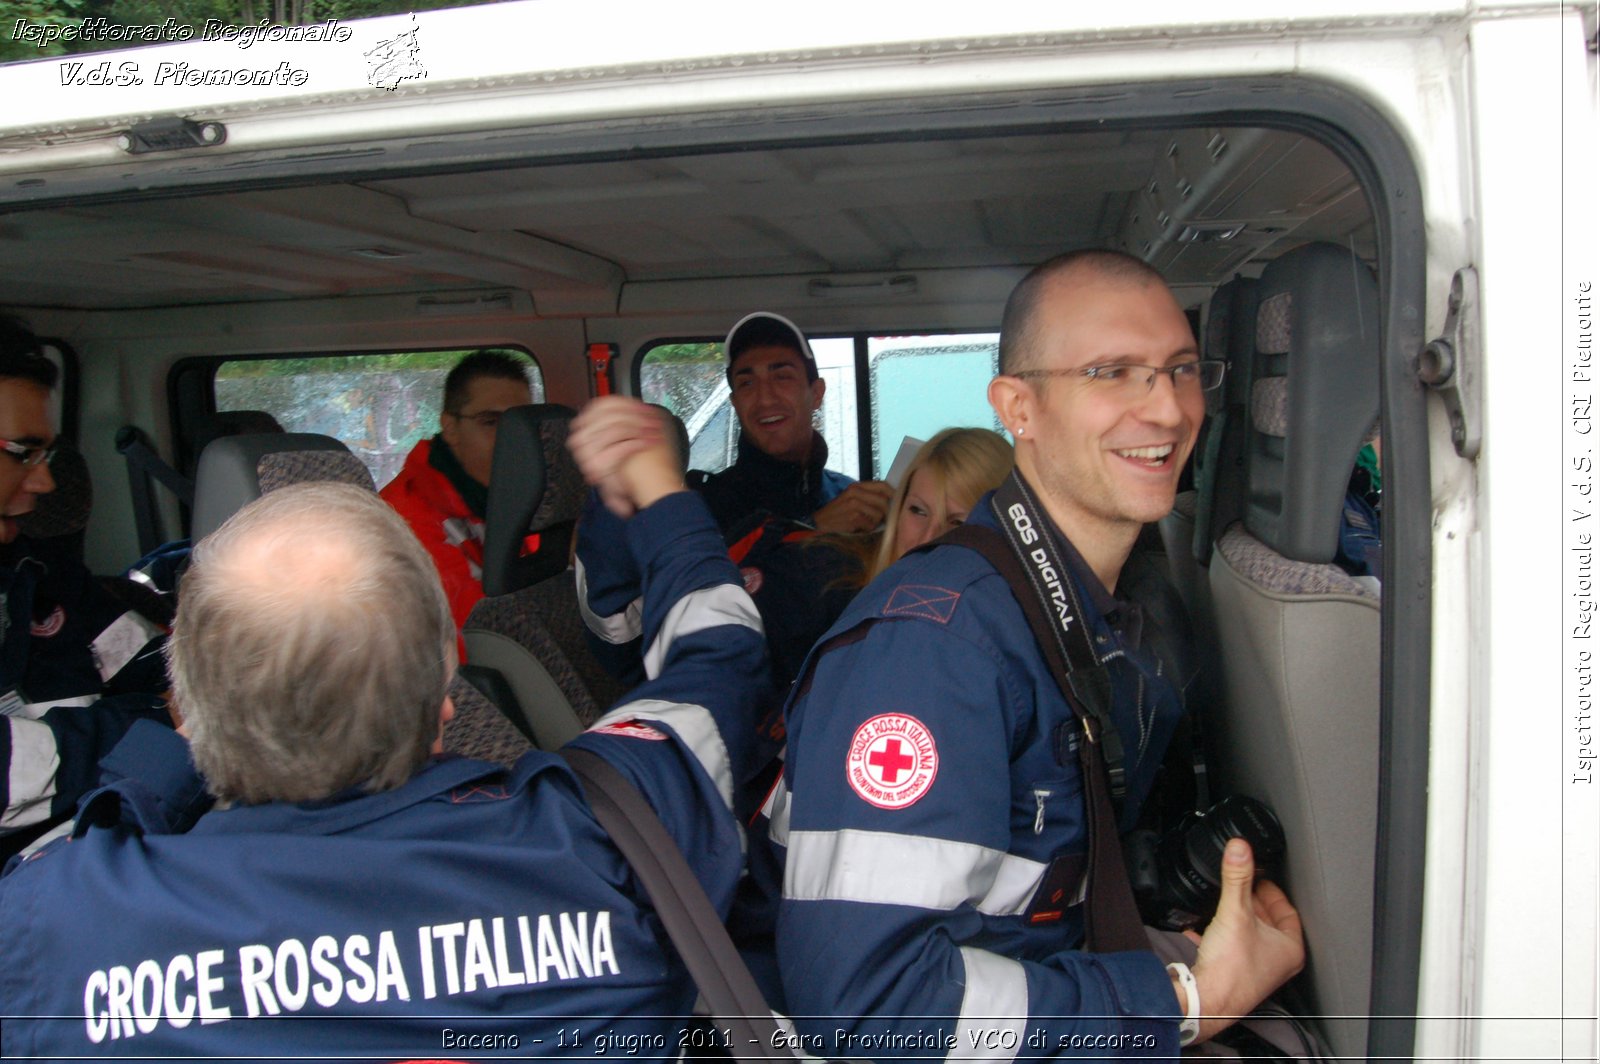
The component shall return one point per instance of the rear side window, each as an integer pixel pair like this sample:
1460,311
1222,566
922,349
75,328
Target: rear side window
378,405
922,384
916,386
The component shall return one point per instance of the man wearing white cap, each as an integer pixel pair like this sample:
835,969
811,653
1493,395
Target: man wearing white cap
781,465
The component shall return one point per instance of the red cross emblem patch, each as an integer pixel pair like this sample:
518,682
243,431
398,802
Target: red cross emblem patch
892,761
631,729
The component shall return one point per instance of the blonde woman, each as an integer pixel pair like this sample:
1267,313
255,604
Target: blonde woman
948,476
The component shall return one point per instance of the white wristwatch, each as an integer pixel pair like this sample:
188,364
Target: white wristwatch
1189,1026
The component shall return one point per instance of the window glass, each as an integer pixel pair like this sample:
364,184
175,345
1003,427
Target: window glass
377,405
921,384
691,380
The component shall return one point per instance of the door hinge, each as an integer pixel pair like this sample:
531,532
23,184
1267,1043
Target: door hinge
1451,364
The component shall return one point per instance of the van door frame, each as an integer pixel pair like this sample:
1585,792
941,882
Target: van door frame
1348,125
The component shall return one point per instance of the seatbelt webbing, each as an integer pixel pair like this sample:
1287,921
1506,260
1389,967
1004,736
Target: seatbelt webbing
1111,917
737,1005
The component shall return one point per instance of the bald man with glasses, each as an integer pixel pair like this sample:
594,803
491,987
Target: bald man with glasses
932,814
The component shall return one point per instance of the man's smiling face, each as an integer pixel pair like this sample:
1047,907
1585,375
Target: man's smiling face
1103,454
775,401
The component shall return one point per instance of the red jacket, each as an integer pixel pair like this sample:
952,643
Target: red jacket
446,526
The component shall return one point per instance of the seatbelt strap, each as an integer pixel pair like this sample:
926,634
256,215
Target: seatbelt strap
737,1006
144,466
1111,917
1026,528
600,359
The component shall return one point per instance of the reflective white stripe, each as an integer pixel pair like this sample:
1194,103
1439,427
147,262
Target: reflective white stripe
35,710
31,774
694,726
120,641
710,607
623,627
459,530
1015,883
994,1007
61,829
881,868
776,810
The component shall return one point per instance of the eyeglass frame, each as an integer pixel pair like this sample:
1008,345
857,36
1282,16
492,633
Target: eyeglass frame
29,456
478,418
1094,372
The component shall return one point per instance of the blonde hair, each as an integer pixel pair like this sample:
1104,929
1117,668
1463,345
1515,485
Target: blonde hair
964,463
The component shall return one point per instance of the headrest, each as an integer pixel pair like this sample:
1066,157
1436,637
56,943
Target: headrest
236,470
535,493
1313,398
65,510
232,423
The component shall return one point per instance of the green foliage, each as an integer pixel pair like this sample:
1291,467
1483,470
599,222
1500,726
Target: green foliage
404,362
191,13
679,353
37,13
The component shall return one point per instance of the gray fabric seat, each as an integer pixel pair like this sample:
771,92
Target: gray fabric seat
528,628
1300,639
236,470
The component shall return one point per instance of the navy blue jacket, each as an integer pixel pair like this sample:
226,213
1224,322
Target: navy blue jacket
472,910
758,484
77,668
934,824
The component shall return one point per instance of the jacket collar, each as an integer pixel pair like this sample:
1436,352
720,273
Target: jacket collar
443,459
804,476
353,807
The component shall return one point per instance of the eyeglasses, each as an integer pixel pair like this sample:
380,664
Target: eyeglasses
28,455
1132,381
488,419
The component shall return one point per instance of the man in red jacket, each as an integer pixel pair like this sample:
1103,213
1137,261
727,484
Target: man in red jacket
443,489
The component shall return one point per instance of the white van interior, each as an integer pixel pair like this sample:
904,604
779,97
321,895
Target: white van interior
893,231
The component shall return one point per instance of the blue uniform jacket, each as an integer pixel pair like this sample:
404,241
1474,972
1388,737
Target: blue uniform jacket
758,484
473,910
934,824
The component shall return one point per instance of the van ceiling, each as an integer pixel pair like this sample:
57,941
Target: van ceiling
1200,203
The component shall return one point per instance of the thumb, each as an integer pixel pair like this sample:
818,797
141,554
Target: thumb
1238,875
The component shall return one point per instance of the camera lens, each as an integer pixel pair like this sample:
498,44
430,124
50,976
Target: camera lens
1191,860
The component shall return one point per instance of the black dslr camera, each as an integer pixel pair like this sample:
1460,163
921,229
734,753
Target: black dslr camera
1177,877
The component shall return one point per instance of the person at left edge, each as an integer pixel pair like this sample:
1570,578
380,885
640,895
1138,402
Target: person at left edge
443,489
57,722
355,892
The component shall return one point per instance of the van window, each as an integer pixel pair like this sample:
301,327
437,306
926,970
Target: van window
378,405
919,385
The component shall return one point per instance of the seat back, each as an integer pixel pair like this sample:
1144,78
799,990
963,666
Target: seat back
528,628
1301,639
236,470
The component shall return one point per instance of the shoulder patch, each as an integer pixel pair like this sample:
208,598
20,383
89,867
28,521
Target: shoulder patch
630,729
892,761
753,579
922,600
50,625
479,792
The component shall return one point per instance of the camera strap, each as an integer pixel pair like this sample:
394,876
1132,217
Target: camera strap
1025,555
